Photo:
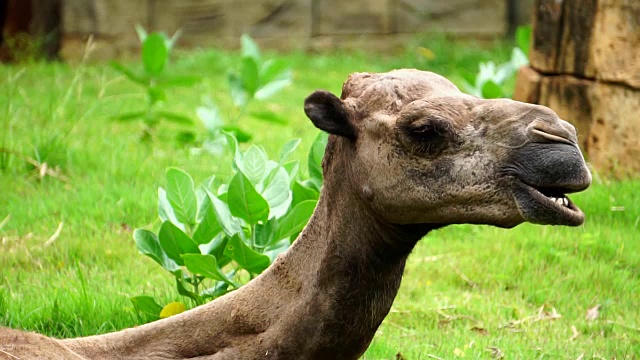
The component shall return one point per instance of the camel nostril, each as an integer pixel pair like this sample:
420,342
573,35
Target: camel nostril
555,135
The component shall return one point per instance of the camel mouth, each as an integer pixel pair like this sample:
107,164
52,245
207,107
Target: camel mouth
547,205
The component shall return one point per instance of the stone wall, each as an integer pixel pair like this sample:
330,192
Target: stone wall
283,24
585,65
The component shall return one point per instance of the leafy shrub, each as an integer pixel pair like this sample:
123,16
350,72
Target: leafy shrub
490,81
256,80
216,236
155,52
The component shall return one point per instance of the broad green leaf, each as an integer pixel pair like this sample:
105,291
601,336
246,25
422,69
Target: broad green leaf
175,117
182,290
184,138
172,308
182,196
288,149
148,244
142,33
208,225
275,249
172,41
215,247
216,291
491,90
277,193
222,192
254,166
269,169
175,242
249,72
165,211
210,117
295,220
207,266
470,89
232,141
315,155
146,305
523,38
240,135
313,183
466,81
142,80
270,117
274,76
250,48
229,224
504,71
302,193
244,201
248,259
134,115
209,183
236,90
468,77
200,194
154,54
179,80
264,232
272,88
486,72
518,60
292,168
272,70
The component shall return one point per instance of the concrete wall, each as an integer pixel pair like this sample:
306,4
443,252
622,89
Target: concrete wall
283,24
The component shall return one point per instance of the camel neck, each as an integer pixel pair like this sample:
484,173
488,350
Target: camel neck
353,264
338,281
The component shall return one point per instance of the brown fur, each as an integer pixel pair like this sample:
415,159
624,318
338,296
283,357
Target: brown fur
412,154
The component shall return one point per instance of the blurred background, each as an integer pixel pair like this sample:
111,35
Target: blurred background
60,28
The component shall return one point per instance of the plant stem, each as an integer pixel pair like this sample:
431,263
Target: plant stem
243,109
253,237
196,284
253,245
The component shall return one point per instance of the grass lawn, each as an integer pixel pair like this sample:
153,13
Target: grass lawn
468,291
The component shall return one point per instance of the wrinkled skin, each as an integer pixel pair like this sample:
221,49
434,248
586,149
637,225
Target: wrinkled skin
429,154
408,153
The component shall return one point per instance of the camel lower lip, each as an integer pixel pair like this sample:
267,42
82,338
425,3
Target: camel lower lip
538,208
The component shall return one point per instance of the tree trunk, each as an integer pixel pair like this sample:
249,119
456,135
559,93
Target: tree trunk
584,65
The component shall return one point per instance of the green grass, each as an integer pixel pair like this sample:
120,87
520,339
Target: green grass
463,286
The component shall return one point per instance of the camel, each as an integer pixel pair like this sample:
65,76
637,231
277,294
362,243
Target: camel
407,153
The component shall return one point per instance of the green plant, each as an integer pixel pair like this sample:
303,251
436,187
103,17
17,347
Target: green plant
155,52
49,149
50,146
219,235
256,80
5,152
490,81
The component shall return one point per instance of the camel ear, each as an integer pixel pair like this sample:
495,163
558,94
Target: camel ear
328,113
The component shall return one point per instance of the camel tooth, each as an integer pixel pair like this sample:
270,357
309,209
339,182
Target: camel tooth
565,201
553,199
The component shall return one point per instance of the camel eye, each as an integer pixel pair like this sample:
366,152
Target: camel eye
427,133
428,136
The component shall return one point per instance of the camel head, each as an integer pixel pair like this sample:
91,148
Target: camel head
419,151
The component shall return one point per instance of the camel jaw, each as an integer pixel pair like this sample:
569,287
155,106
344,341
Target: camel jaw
546,206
